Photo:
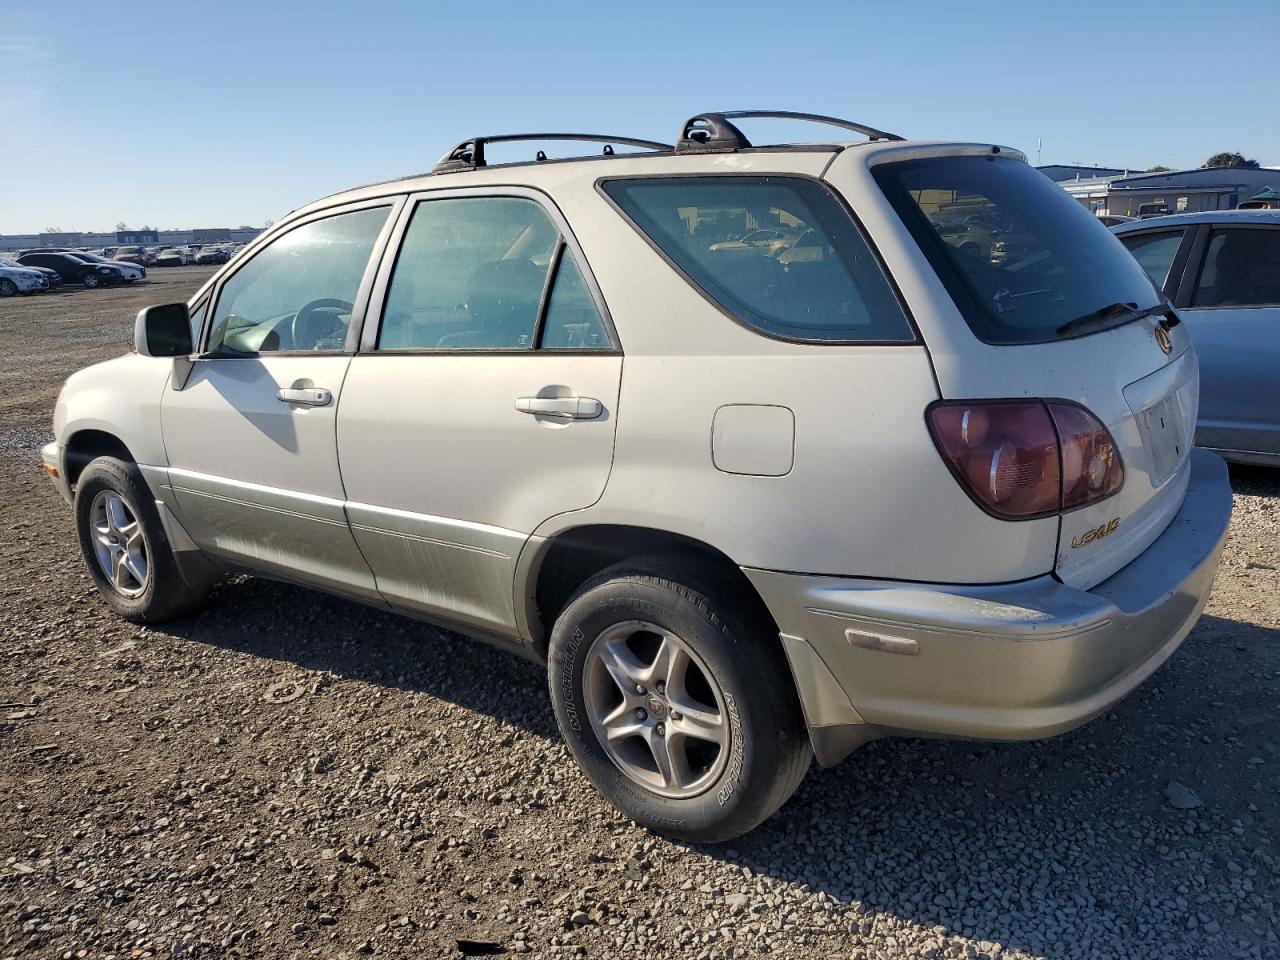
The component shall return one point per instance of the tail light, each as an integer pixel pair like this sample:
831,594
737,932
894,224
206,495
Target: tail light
1091,468
1021,459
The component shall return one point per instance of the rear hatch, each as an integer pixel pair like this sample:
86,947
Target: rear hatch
1036,299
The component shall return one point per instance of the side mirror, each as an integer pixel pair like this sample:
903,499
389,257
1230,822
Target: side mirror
163,331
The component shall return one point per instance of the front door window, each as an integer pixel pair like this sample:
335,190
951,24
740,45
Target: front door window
298,292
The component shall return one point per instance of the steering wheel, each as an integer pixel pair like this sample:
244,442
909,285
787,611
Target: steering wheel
318,320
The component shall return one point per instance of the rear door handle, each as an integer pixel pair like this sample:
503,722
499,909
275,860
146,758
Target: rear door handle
569,408
305,396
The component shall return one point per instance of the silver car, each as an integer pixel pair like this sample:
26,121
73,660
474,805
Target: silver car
752,504
1221,270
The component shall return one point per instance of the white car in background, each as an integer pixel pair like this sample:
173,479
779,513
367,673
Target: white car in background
16,279
173,257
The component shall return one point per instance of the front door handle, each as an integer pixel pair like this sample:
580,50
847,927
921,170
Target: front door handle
568,408
305,396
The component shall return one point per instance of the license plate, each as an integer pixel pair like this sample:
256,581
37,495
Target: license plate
1166,432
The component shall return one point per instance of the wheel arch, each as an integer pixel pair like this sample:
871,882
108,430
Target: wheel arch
88,444
553,568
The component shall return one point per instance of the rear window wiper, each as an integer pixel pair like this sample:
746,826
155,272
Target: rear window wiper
1103,316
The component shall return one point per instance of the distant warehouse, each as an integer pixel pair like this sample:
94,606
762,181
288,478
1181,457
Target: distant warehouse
1121,193
148,238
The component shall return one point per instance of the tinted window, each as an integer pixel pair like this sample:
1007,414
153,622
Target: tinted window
470,276
1241,269
1154,252
1020,258
572,321
779,253
297,292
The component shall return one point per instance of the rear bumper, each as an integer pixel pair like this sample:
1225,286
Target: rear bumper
1007,662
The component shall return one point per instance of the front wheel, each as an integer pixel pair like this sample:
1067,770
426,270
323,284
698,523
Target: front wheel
91,280
680,710
125,547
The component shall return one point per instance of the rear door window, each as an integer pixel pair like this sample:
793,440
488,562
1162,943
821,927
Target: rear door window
779,254
1154,252
1241,269
1023,261
572,321
487,273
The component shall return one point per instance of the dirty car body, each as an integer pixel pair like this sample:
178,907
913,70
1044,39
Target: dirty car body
915,491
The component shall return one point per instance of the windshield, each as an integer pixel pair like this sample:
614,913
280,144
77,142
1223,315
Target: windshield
1023,261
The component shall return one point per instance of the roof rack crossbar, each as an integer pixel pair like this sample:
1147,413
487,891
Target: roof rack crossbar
716,133
469,154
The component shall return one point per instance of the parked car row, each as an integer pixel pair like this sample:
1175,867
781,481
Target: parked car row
214,254
46,268
34,271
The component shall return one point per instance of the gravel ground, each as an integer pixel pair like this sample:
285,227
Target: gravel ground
290,775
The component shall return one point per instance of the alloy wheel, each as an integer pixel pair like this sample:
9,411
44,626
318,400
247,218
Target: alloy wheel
656,709
118,544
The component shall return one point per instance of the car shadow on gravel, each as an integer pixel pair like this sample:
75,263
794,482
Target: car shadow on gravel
1057,847
1254,480
1072,845
344,639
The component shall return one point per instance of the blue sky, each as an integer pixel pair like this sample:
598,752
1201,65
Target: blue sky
226,113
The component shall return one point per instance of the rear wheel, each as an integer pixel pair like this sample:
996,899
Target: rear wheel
124,545
7,287
680,710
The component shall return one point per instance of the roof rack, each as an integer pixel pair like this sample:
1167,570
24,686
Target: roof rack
469,154
714,133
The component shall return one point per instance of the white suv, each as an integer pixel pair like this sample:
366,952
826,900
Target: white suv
740,440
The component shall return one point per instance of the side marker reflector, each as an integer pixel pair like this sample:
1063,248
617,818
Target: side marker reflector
876,641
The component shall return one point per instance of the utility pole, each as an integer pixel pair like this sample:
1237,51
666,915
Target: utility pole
1039,144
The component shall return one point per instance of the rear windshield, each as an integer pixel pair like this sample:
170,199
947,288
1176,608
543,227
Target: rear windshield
1023,261
778,253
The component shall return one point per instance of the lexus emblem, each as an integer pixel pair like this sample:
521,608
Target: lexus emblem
1163,338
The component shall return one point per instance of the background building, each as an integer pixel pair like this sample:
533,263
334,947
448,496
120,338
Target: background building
1175,191
1072,171
93,241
